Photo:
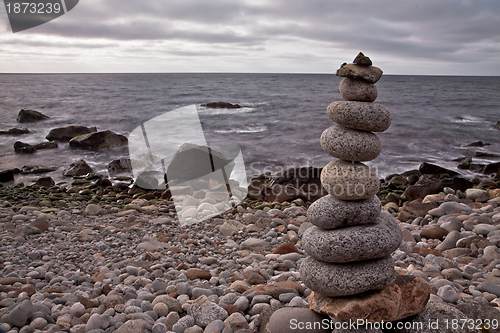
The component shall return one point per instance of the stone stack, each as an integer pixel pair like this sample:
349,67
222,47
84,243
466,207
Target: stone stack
352,239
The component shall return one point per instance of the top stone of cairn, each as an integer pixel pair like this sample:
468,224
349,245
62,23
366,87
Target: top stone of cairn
362,60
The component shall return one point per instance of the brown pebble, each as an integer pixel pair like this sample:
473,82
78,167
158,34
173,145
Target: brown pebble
198,274
285,248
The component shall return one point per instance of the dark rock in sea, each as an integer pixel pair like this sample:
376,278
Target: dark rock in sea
65,134
37,169
23,148
221,105
45,181
79,168
426,186
431,169
98,140
192,161
46,145
478,144
492,168
26,148
362,60
123,165
497,125
29,116
15,131
6,175
468,165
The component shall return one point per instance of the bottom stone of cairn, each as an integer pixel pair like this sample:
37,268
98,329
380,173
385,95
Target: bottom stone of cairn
407,296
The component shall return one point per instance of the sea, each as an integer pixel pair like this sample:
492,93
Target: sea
434,118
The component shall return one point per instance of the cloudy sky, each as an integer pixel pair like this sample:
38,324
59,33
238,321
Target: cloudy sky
428,37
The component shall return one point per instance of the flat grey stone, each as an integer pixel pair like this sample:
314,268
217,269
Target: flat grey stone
372,117
370,74
20,314
448,207
348,278
354,243
349,180
357,90
350,144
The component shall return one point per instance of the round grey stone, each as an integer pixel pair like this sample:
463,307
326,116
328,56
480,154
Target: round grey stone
357,90
349,180
349,144
354,243
345,279
297,320
20,314
330,213
372,117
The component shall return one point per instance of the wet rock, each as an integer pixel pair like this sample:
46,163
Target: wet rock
29,116
15,131
64,134
79,168
98,140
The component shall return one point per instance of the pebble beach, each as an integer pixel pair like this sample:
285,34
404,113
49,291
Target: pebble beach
71,262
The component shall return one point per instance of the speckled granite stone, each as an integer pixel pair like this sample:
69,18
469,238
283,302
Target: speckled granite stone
350,180
357,90
330,213
370,74
350,145
349,278
354,243
363,116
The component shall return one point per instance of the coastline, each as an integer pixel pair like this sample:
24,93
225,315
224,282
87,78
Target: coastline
98,254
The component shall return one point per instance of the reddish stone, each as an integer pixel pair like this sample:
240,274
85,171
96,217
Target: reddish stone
285,248
198,274
423,251
275,290
407,296
106,289
183,236
433,232
254,277
41,224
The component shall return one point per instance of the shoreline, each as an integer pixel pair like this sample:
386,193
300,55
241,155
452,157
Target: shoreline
104,258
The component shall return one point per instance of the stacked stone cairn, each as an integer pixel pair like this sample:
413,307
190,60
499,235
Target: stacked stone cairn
349,247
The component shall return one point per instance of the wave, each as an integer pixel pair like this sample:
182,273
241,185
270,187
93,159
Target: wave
246,129
466,119
215,112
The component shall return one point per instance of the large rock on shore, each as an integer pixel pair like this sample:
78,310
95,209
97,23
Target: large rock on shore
29,116
6,175
349,144
26,148
123,165
407,296
361,242
372,117
65,134
345,279
98,140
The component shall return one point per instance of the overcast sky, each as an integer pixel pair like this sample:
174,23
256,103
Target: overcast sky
429,37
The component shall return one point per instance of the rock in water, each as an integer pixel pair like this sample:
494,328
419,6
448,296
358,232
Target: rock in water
29,116
348,278
406,297
221,105
354,243
350,145
98,140
6,175
15,131
123,165
372,117
349,180
65,134
79,168
357,90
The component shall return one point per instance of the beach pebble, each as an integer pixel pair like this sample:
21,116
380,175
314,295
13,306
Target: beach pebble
19,315
476,194
349,144
448,207
371,117
357,90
